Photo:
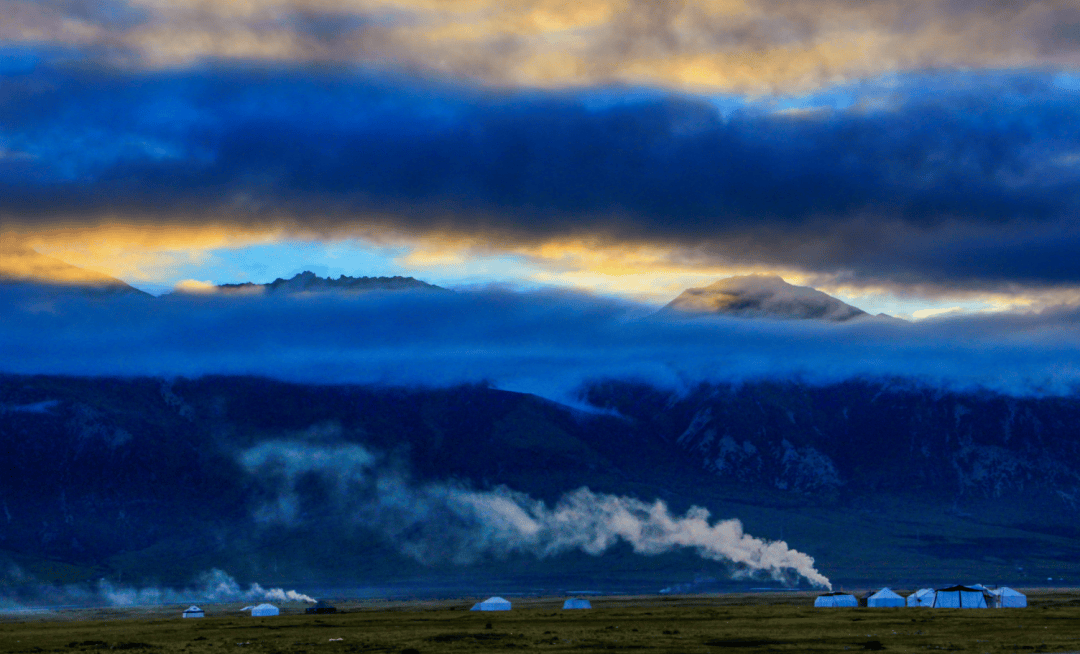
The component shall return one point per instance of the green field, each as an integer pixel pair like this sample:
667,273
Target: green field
775,622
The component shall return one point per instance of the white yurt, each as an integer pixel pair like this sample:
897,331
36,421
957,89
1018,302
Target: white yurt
833,600
577,603
264,610
194,612
921,597
884,597
959,597
1006,597
492,604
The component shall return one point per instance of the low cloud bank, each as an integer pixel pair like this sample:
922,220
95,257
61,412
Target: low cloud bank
435,523
21,592
548,343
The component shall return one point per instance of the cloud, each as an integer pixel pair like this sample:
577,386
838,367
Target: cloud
434,523
960,181
750,46
548,343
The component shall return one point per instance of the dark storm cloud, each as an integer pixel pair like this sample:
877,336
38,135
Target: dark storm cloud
924,186
545,343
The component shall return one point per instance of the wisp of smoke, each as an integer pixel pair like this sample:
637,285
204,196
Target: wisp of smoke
430,522
23,591
212,586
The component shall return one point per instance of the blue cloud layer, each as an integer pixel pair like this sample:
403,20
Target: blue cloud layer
549,343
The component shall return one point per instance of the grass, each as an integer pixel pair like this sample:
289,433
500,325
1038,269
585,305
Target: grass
736,624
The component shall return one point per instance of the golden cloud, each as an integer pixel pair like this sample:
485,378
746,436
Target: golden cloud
133,251
745,46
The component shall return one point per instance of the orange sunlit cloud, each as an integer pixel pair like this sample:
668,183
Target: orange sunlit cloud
129,251
745,46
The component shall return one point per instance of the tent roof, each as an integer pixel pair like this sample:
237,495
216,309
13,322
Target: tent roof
1005,590
496,599
966,589
193,608
833,594
885,592
264,606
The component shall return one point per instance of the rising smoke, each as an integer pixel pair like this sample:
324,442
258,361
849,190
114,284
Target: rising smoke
21,590
212,586
438,522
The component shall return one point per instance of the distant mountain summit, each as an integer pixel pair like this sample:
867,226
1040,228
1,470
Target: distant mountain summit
27,266
309,282
761,296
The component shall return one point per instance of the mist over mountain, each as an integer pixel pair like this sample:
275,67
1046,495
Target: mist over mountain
547,342
761,296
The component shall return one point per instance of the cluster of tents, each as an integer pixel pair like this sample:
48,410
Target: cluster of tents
256,611
490,604
499,604
953,597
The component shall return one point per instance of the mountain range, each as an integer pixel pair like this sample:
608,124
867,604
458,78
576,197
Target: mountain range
881,481
746,296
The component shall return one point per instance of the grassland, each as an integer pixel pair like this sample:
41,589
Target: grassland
774,622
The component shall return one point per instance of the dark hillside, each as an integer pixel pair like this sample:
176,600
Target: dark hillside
880,482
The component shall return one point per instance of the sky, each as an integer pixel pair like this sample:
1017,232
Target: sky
909,156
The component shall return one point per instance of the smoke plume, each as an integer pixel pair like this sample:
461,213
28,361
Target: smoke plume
22,590
212,586
436,522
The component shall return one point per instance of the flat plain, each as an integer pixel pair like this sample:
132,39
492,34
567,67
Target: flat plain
734,623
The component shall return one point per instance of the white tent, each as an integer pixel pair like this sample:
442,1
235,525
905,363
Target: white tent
959,597
921,597
194,612
836,600
577,603
1006,597
884,597
492,604
264,610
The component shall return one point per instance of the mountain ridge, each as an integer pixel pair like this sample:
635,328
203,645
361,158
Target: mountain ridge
307,282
